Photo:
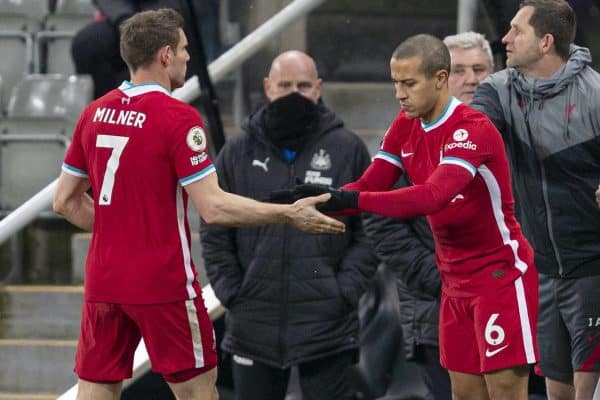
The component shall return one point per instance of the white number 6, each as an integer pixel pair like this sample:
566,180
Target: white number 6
494,334
117,144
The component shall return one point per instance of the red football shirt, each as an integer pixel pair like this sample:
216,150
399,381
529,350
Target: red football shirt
479,243
138,147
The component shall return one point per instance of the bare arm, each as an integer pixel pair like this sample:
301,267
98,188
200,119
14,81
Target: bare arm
72,201
219,207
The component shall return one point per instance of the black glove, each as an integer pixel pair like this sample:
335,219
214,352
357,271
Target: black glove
282,196
340,199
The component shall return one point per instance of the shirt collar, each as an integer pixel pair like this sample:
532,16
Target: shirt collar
444,116
132,90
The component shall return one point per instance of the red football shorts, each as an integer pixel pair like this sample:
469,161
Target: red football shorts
179,338
494,331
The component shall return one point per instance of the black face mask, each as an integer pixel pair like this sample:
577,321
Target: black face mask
289,120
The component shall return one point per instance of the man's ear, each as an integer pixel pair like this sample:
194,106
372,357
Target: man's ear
319,86
267,87
442,78
547,42
164,55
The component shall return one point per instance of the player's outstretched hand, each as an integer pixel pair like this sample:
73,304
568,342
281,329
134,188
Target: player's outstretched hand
306,218
340,199
598,196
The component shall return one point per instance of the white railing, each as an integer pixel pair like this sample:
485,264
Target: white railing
248,46
27,212
466,18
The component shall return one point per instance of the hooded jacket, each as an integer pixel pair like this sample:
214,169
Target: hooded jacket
550,129
291,296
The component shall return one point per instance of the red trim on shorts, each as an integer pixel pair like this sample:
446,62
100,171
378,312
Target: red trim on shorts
186,375
590,364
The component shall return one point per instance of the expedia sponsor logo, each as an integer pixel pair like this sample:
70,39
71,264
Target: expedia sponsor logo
461,145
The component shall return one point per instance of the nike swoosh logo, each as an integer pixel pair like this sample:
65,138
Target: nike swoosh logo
403,154
492,353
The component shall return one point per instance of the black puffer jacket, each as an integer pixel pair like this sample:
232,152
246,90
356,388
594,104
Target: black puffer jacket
407,247
551,128
291,296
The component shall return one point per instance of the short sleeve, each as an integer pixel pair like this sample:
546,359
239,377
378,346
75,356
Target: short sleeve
390,149
189,149
75,162
471,146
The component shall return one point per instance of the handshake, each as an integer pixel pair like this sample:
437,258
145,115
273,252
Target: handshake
340,199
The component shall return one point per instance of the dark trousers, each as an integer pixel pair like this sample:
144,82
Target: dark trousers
323,379
428,357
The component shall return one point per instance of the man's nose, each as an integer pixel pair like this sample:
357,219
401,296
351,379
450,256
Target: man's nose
400,94
470,77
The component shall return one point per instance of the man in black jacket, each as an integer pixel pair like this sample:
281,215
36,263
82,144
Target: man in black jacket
292,297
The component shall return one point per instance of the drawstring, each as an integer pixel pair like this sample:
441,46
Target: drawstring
568,111
529,103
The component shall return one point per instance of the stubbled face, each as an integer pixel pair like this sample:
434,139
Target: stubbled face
293,74
469,67
416,92
177,66
523,47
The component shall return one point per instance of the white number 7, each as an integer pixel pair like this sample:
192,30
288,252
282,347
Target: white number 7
117,144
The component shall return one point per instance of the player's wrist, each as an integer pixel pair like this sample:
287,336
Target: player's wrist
287,213
349,198
340,200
